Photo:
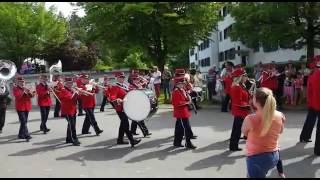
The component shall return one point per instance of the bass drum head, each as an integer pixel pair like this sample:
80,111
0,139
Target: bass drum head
136,105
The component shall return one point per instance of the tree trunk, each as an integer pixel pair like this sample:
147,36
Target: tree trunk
310,36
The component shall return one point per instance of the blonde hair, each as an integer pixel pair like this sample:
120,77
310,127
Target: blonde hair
265,98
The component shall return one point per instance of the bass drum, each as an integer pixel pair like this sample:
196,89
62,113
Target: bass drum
140,104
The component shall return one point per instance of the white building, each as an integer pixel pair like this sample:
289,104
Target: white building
221,49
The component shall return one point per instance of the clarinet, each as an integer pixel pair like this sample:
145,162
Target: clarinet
190,99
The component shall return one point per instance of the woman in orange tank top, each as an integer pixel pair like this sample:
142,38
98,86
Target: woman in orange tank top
263,130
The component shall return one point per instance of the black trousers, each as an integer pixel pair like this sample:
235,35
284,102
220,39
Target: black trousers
225,103
89,120
44,110
2,117
236,133
277,96
124,127
182,128
212,89
104,102
23,118
141,125
57,108
308,125
71,129
80,110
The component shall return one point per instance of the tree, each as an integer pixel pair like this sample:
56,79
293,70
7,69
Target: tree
159,28
290,25
27,28
72,58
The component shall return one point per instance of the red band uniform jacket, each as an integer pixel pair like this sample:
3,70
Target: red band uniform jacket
43,92
117,92
22,100
88,101
239,97
313,91
179,97
68,102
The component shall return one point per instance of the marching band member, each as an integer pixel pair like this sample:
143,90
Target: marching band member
239,106
88,104
68,100
104,100
23,106
311,119
79,85
3,105
136,85
117,93
180,102
58,86
44,101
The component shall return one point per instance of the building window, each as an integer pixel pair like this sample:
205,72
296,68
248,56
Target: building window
192,65
221,56
226,55
224,11
225,33
232,53
192,52
220,36
196,57
270,48
207,61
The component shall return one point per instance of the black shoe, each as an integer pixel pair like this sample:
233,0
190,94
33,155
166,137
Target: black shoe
177,145
235,149
305,141
135,142
81,114
86,132
45,131
135,134
122,142
28,138
148,134
224,111
99,132
244,137
76,143
101,110
194,137
190,146
69,141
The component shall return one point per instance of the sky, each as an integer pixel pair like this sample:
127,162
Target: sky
65,8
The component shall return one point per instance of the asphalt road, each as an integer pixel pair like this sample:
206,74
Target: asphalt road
99,156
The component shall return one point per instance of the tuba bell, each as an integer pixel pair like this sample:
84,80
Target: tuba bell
7,71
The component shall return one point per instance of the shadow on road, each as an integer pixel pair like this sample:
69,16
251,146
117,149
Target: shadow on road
304,168
215,161
160,155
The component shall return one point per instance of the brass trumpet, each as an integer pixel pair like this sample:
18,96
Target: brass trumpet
81,91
